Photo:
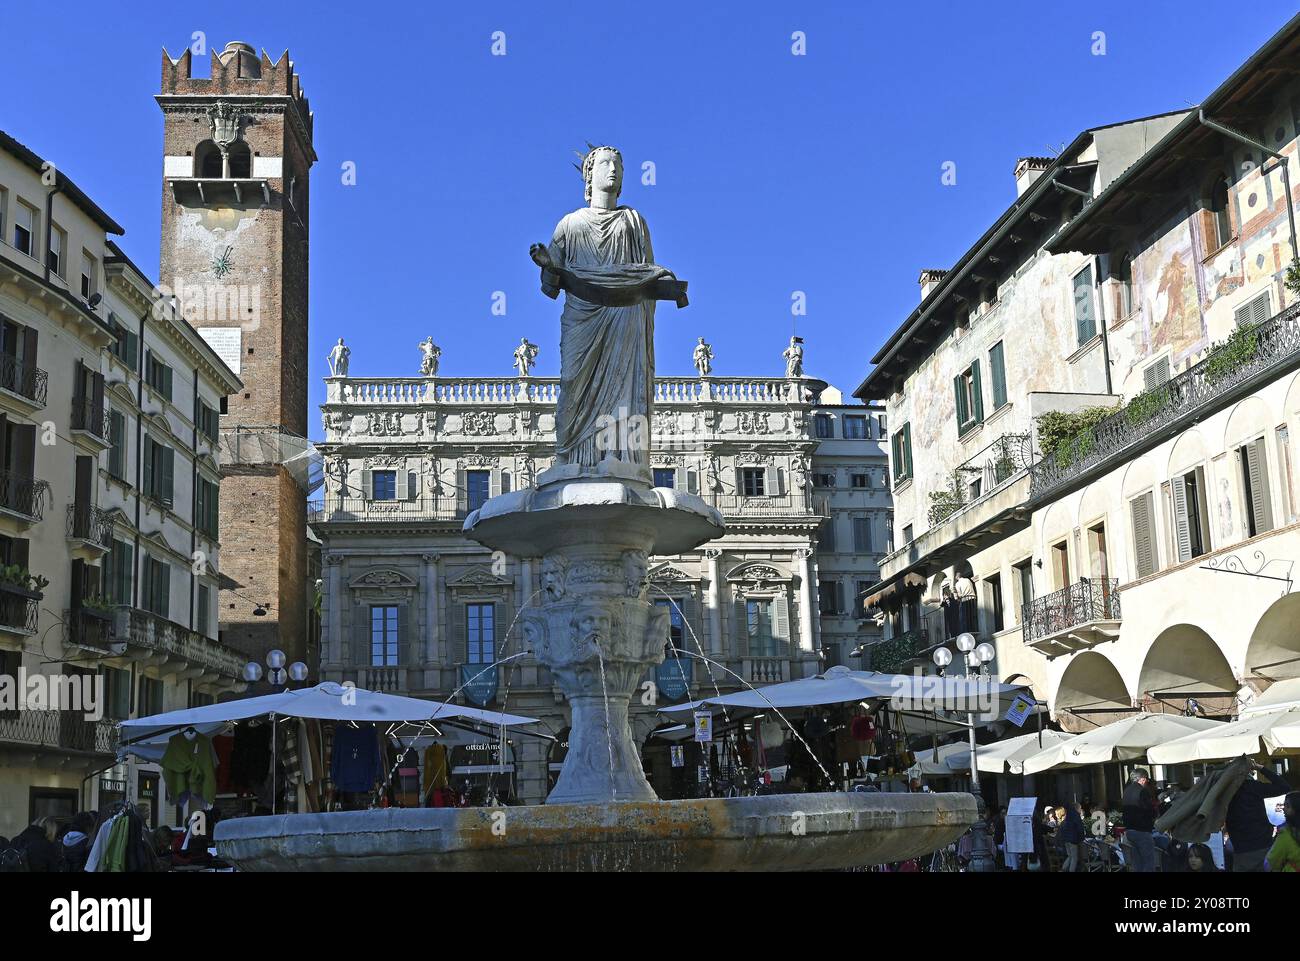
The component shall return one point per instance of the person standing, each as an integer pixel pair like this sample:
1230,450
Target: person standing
1139,806
1071,835
1284,855
1247,820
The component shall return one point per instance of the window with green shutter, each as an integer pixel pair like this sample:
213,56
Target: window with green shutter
998,375
901,453
970,399
1085,306
1144,541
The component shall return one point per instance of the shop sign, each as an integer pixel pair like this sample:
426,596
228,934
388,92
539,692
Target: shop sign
482,689
703,726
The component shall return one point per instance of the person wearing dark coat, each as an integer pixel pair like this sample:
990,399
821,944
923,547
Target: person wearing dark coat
1247,820
1071,835
37,842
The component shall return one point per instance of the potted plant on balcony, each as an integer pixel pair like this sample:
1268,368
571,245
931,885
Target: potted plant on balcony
98,607
16,579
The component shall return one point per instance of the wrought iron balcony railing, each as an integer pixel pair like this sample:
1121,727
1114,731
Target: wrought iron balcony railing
18,609
94,420
1084,602
24,379
982,475
23,495
889,655
90,627
1269,348
90,523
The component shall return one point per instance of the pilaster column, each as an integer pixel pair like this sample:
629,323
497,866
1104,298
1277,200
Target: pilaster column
430,608
334,566
808,581
711,601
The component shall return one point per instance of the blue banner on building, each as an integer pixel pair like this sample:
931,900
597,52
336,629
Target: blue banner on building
479,682
673,678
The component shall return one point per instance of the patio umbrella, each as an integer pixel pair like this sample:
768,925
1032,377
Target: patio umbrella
1125,740
1273,733
1008,756
952,759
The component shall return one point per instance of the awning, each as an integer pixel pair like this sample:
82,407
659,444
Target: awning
892,587
1273,733
148,736
920,693
1126,740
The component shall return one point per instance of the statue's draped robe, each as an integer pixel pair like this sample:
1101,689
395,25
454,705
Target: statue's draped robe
606,353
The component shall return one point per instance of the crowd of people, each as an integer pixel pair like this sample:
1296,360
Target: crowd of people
50,845
1122,834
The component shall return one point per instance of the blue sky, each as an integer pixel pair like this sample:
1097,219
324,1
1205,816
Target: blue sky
775,173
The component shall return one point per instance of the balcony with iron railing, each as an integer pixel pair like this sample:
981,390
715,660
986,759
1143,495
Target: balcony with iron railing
23,498
1075,618
892,654
1253,356
90,625
28,384
19,609
58,730
90,420
91,527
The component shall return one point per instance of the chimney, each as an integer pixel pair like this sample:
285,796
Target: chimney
247,63
1029,169
930,278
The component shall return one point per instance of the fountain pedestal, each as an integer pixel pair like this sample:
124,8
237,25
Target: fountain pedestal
594,628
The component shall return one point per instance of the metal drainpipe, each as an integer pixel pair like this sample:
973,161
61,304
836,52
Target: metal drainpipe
139,459
49,227
1105,323
1286,176
194,498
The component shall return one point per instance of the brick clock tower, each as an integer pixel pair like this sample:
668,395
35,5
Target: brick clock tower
237,159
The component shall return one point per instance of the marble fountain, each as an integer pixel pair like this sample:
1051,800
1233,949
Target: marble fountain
595,519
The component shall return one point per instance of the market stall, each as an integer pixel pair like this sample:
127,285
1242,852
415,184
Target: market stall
1126,740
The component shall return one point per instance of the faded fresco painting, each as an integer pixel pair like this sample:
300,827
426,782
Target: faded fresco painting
1166,275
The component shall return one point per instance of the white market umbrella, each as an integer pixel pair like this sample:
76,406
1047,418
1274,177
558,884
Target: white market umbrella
952,759
1283,694
1008,756
1273,733
840,685
148,736
1125,740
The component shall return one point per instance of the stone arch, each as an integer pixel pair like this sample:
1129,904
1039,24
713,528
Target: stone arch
1185,663
1095,502
1249,419
1139,476
1057,522
1189,451
1274,650
1090,692
1291,408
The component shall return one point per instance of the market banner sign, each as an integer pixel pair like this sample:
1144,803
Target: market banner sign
481,689
670,677
1019,710
703,726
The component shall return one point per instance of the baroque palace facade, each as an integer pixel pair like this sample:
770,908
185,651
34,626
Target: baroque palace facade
411,605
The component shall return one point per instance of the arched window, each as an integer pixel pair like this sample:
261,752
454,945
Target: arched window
1221,216
207,160
241,160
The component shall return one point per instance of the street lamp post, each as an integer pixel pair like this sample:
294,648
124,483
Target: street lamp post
976,657
278,676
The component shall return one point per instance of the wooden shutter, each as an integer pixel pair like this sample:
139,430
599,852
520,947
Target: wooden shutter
404,634
907,446
96,403
163,594
679,479
361,634
977,393
462,491
494,482
368,484
132,351
1182,527
740,481
412,485
781,624
959,391
168,463
30,340
740,628
148,464
1143,541
1156,374
1260,501
771,481
1255,311
78,387
998,370
1084,320
692,481
24,452
459,633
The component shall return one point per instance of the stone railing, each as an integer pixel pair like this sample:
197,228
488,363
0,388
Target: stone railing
1266,351
485,391
142,629
344,510
66,730
1087,600
777,505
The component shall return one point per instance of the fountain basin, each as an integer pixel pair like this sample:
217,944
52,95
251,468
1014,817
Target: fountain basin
787,832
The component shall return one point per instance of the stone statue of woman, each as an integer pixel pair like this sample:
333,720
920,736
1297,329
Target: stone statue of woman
601,257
